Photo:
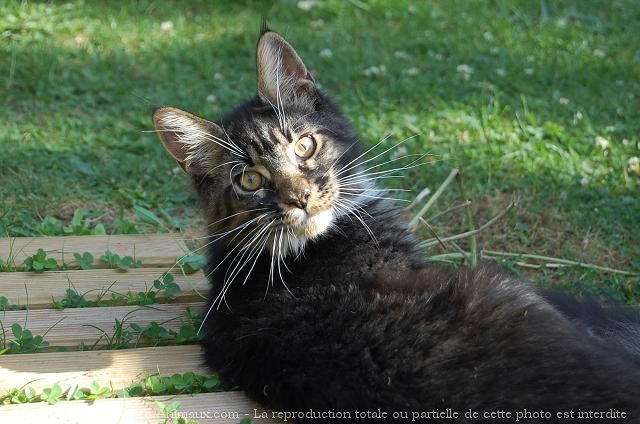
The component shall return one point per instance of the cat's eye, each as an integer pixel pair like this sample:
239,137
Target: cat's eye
251,180
305,147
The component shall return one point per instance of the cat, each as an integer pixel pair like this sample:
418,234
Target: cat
323,301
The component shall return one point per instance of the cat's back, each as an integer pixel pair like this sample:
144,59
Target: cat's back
471,338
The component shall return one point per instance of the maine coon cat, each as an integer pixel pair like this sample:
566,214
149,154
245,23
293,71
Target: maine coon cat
323,301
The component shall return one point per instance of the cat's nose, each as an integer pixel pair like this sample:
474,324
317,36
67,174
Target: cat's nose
297,198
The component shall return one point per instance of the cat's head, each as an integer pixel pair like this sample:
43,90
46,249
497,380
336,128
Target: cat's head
280,168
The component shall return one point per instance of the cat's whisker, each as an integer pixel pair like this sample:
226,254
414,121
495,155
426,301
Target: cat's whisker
346,167
374,175
356,214
228,144
278,252
231,141
256,219
361,190
214,238
343,211
255,253
290,237
271,267
366,178
391,160
357,207
354,143
244,226
370,180
278,99
231,216
256,257
281,260
245,252
275,251
375,197
232,146
411,164
277,112
272,260
218,236
223,164
351,206
342,171
234,149
231,274
268,285
290,246
233,186
335,227
283,124
239,244
272,105
247,248
386,171
221,235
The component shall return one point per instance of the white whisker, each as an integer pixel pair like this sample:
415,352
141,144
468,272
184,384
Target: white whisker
372,174
235,214
356,214
342,171
375,197
346,167
408,166
245,225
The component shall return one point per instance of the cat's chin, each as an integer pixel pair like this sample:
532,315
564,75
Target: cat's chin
308,225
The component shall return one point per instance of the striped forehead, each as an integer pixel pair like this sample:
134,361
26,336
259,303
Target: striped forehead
268,144
271,147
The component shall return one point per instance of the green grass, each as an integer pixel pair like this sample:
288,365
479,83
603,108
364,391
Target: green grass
538,106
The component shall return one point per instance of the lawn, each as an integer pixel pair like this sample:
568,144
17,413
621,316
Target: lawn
533,100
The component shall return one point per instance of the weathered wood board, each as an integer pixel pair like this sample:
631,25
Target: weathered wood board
111,368
116,369
152,249
38,290
71,326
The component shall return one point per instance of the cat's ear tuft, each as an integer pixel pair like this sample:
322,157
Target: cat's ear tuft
187,138
282,76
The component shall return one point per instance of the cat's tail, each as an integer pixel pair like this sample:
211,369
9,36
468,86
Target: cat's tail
616,326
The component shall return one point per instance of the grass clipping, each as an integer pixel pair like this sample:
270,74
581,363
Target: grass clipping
454,253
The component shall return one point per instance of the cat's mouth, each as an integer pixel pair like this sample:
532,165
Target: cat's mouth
305,224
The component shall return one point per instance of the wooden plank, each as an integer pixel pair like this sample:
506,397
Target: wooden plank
205,408
37,290
151,249
71,326
114,368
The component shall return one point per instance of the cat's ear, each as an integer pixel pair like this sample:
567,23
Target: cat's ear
188,138
282,76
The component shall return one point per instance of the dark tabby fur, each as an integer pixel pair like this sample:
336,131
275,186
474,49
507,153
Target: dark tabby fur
364,322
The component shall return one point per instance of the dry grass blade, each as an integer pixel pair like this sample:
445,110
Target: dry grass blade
552,262
442,243
469,217
446,242
423,193
415,221
466,234
470,257
462,205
